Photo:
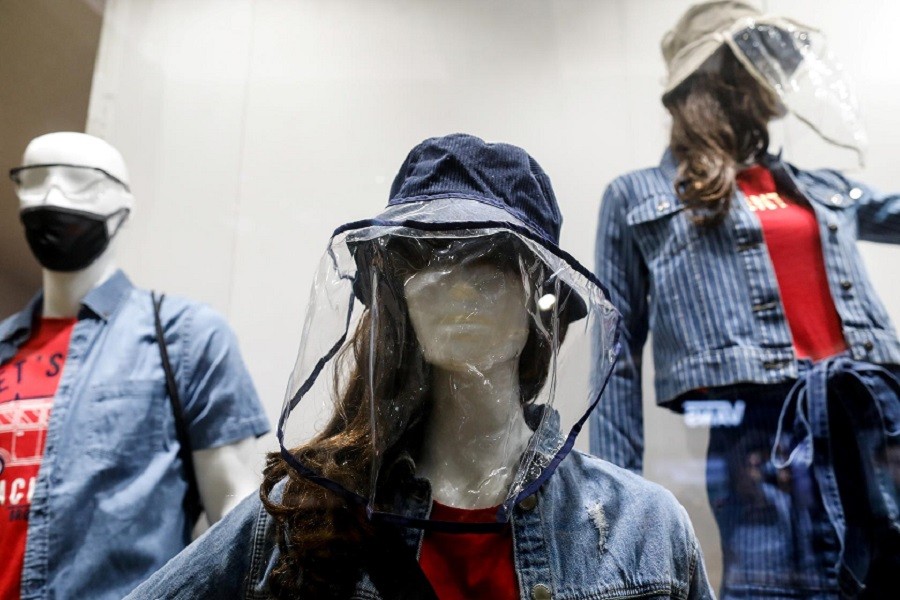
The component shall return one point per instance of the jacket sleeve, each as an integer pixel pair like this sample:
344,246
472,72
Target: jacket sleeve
219,397
215,565
878,216
699,583
617,426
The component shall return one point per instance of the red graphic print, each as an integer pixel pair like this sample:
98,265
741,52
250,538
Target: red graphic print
27,385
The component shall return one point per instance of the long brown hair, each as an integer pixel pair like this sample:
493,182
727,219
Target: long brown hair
719,122
323,537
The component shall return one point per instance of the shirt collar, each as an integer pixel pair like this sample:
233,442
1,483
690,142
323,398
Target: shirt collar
669,165
102,301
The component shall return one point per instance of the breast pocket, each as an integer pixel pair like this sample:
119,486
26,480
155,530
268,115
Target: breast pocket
662,228
124,420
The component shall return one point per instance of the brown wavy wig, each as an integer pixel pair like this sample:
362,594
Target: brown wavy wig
323,537
720,119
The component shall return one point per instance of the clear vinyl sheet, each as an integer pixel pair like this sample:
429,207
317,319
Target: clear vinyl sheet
436,347
795,62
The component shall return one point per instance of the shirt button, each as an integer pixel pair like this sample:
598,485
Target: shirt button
868,345
832,227
837,199
855,193
662,206
528,503
846,285
541,591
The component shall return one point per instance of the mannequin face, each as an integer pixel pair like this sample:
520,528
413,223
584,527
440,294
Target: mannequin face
73,197
89,190
469,316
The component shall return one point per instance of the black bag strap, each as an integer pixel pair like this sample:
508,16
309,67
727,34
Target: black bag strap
192,504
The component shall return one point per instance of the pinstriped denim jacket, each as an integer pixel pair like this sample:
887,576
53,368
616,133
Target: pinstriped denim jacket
710,297
591,532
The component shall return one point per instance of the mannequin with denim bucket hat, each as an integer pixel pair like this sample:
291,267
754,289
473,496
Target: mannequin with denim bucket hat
109,490
765,324
436,333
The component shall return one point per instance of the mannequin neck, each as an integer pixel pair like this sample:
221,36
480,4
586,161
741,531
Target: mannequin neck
64,292
475,435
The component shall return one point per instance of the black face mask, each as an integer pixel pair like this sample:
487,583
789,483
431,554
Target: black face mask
65,239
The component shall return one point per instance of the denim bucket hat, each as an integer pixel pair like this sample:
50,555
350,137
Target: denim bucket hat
460,275
503,184
499,175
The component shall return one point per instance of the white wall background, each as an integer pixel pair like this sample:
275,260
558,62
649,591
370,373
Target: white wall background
253,127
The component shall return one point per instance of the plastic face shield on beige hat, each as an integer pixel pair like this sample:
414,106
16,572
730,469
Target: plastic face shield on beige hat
788,58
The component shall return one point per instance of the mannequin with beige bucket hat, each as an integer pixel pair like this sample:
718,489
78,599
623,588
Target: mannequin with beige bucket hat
766,327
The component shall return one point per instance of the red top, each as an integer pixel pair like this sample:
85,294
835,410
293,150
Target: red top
27,385
461,566
792,237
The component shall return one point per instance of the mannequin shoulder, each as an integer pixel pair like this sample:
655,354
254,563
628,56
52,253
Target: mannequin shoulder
180,312
831,180
636,186
596,481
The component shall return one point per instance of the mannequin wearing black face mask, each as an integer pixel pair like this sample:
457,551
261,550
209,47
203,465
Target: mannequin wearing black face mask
109,404
68,240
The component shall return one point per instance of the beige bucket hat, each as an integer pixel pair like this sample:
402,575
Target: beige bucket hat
698,34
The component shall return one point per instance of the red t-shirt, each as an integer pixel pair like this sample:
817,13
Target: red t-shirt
792,236
27,385
461,566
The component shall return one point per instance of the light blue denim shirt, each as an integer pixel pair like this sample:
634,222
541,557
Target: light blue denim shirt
591,532
107,508
710,296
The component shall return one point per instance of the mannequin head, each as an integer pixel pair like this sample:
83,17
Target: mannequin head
73,197
468,316
101,195
322,529
432,330
720,110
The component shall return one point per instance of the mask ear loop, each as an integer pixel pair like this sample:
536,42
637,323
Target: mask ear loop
126,211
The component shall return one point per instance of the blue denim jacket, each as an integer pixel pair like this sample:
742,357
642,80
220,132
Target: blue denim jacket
710,296
595,531
107,508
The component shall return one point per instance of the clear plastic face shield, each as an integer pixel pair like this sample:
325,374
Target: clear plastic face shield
432,361
793,61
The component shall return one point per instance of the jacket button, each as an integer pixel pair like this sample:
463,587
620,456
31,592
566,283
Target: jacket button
832,227
855,193
529,502
541,592
846,285
868,345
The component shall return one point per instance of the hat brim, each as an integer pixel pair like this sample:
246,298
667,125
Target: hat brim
460,217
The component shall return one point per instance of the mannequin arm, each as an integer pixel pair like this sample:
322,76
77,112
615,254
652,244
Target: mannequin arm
224,478
617,424
879,216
